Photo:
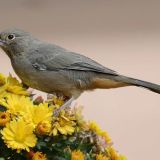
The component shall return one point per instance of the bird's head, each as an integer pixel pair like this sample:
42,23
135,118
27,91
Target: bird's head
15,41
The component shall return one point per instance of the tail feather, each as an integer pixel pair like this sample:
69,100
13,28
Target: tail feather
151,86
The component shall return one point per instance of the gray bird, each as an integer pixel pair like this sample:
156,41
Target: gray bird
51,68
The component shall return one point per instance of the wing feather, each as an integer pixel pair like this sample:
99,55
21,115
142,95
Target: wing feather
65,60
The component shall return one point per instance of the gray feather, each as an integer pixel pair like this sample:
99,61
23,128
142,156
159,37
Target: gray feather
139,83
65,60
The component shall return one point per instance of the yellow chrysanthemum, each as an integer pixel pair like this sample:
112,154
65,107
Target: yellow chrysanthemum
41,113
101,157
63,125
58,100
94,127
114,154
106,136
43,128
121,157
77,155
19,135
11,85
39,156
4,118
17,105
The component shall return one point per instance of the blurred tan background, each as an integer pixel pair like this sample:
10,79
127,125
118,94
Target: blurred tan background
122,35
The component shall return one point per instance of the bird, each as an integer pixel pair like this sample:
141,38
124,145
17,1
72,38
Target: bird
53,69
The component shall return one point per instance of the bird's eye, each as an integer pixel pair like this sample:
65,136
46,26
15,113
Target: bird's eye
11,36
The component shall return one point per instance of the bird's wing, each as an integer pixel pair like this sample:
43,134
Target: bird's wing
65,60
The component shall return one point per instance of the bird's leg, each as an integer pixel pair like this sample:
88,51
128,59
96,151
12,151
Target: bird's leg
64,106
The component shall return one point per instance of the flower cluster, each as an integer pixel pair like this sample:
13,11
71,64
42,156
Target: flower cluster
29,129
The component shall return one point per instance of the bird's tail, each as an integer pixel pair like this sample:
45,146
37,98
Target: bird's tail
115,81
135,82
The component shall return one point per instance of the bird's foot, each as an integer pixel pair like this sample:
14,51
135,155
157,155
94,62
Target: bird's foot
63,107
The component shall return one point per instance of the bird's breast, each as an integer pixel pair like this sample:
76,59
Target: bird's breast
24,70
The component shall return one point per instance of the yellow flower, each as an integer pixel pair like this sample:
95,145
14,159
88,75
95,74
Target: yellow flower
77,155
95,128
19,135
43,128
101,157
114,154
63,125
11,85
17,105
39,156
4,118
121,157
58,100
41,113
106,136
